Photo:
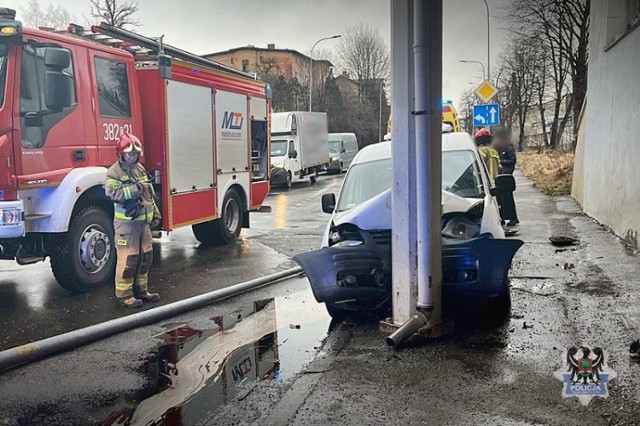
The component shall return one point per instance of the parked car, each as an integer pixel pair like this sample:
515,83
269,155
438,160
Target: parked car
352,270
343,148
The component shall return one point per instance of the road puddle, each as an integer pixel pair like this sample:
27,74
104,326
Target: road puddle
196,371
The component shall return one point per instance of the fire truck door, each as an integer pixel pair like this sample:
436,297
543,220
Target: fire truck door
49,144
114,103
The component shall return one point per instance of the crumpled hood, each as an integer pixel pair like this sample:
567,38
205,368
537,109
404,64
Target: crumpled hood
375,213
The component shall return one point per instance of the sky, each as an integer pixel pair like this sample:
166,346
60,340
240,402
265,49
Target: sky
207,26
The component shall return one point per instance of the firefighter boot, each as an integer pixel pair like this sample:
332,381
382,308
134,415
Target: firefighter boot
131,302
148,297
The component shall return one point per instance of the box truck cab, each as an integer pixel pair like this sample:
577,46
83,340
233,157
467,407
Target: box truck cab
299,146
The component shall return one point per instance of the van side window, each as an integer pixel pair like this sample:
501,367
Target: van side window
113,88
292,147
32,96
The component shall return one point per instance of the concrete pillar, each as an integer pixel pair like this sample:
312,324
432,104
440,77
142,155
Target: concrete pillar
416,159
404,224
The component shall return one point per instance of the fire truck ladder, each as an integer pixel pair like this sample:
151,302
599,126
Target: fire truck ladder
141,46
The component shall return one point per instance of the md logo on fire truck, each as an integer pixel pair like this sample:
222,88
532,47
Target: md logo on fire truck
232,120
232,125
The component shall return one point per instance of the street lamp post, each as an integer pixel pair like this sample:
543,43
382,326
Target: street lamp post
311,65
484,75
380,111
488,43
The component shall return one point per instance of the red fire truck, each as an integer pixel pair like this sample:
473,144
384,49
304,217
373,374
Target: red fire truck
65,100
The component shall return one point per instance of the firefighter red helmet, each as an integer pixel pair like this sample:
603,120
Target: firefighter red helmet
128,143
482,132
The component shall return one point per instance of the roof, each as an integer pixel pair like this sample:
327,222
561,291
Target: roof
263,49
457,141
78,41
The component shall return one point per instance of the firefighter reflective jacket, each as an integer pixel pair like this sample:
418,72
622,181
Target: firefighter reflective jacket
491,159
121,187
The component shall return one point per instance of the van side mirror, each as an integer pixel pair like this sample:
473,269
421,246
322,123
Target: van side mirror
293,154
505,184
328,203
58,86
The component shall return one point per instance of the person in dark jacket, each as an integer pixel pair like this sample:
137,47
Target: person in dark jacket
502,144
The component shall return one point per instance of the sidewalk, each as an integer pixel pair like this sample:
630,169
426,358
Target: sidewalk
587,294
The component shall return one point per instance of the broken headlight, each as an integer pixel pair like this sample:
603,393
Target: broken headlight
345,236
461,227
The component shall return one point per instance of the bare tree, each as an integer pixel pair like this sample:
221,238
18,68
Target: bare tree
268,68
58,17
55,16
116,13
363,54
33,15
564,28
520,64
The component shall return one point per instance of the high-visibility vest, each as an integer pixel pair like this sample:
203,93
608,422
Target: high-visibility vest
491,158
120,187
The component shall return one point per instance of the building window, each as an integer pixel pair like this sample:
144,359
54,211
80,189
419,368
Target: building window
245,65
623,17
113,88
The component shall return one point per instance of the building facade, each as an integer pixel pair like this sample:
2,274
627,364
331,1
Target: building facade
271,61
606,179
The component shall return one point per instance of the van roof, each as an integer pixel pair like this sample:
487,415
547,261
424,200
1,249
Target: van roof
455,141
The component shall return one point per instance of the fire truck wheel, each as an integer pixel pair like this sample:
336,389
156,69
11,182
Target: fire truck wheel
84,257
225,230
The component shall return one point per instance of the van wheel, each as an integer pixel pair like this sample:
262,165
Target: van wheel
225,230
314,176
84,257
289,180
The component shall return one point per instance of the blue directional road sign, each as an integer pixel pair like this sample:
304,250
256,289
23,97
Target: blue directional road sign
486,115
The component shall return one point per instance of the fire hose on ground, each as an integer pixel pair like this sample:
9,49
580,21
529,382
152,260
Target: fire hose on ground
74,339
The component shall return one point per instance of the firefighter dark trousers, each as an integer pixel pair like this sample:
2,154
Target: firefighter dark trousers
134,246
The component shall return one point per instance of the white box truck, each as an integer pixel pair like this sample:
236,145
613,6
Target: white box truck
299,146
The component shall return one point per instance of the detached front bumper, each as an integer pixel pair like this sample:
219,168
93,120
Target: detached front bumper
11,219
339,274
475,268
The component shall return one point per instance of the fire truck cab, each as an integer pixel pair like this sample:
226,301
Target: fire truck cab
64,102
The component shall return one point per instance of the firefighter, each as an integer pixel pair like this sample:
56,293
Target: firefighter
135,213
489,155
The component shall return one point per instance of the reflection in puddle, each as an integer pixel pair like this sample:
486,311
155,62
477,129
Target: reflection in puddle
196,371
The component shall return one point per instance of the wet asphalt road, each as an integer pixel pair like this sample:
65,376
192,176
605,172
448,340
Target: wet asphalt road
260,358
33,306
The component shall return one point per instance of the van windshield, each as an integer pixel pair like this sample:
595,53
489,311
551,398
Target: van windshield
278,148
461,175
334,146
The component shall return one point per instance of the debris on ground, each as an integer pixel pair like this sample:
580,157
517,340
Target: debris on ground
561,241
525,325
294,326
